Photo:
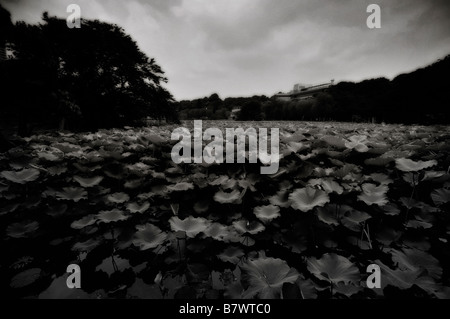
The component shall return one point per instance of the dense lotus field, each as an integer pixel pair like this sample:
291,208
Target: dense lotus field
139,226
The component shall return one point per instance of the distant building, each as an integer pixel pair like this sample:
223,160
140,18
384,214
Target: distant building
303,92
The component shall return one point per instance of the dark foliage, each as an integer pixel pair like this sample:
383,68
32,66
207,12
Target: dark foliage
250,111
417,97
86,78
214,108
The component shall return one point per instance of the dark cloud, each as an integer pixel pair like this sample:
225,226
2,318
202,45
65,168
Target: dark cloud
246,47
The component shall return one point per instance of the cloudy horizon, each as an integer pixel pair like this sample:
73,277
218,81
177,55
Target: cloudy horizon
255,47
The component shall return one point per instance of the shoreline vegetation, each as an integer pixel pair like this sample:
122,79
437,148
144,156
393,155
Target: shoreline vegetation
418,97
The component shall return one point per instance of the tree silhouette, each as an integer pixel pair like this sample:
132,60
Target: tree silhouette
6,26
250,111
86,78
417,97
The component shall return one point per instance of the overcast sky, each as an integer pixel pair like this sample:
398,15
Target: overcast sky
248,47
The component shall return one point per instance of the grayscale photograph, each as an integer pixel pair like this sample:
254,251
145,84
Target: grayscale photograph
232,150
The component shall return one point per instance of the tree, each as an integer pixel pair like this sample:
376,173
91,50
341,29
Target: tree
6,26
250,111
214,102
323,106
91,77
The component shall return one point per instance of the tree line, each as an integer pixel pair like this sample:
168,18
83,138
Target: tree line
78,79
420,97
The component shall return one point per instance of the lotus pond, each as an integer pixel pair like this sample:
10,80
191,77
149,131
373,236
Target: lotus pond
139,226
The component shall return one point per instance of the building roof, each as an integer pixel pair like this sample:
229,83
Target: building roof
305,91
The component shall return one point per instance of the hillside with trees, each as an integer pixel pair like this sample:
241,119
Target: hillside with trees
418,97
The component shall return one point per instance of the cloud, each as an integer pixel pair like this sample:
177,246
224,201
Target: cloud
246,47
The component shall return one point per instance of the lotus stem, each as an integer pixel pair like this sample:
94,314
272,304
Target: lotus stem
179,249
362,234
411,197
367,232
114,264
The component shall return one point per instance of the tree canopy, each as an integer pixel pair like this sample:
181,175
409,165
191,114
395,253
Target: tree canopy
417,97
81,78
